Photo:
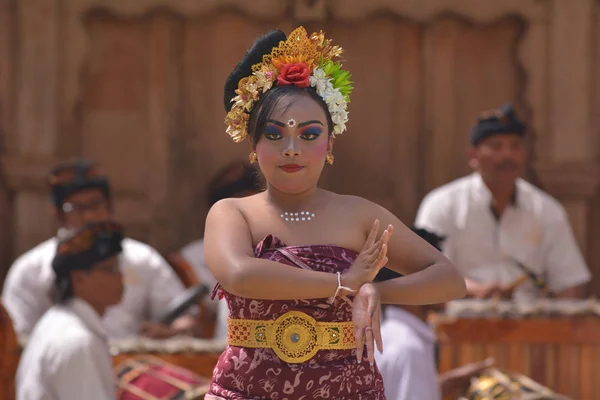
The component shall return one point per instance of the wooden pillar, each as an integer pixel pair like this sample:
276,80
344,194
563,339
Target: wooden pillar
35,126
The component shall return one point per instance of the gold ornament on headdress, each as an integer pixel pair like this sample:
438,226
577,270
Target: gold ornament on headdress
330,81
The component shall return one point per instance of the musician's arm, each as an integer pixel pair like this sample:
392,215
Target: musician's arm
480,290
566,269
455,382
575,292
164,288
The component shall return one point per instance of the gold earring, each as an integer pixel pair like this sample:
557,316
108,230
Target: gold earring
330,158
253,157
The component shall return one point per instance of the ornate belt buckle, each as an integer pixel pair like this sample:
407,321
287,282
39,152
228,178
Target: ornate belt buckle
295,337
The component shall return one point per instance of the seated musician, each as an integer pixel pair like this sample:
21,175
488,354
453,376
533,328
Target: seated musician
408,364
506,236
238,179
80,195
67,356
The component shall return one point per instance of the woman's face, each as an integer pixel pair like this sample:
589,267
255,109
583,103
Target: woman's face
293,144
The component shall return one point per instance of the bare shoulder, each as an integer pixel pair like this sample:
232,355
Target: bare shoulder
224,212
366,212
233,210
358,205
231,204
362,210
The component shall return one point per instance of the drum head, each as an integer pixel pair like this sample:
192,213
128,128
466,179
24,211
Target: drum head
150,378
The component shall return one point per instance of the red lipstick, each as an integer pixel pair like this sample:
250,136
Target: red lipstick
291,167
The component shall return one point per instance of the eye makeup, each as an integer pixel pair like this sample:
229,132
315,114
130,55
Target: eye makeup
310,133
272,132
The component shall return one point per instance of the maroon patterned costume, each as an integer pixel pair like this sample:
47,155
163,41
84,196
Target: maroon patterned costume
247,373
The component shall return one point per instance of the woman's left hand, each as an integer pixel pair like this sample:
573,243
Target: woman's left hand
366,319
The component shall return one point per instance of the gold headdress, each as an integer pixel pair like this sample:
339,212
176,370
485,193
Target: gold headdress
302,61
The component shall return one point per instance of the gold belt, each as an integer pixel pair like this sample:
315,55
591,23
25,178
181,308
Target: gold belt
295,336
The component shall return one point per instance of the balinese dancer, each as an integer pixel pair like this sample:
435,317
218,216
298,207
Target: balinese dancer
287,259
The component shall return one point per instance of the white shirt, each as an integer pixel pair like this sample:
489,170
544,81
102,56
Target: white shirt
408,361
150,285
67,357
534,231
193,253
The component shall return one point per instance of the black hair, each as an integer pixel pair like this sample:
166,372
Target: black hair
264,108
261,47
63,289
385,274
81,168
237,177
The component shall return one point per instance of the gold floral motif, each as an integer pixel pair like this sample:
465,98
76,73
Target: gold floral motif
295,336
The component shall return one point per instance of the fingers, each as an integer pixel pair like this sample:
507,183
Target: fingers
370,347
372,235
374,252
382,258
360,343
376,324
488,362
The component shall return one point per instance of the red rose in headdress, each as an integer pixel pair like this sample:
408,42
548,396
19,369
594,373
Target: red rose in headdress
297,74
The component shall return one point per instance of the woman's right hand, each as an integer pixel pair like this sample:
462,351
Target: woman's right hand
371,259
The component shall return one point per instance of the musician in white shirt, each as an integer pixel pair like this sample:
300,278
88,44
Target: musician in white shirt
81,195
500,228
67,356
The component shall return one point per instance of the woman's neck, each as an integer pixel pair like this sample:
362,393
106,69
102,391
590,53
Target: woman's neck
292,202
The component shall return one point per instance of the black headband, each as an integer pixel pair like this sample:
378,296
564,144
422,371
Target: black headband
104,244
81,180
495,122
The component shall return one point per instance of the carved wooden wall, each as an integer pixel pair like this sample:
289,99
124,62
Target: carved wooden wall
137,86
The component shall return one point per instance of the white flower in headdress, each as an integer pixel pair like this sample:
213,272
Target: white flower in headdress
333,97
318,75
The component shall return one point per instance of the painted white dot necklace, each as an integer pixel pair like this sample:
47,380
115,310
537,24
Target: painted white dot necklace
298,216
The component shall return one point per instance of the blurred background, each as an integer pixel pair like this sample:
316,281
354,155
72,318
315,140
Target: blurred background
137,86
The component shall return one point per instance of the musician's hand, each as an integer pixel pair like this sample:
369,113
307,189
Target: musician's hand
456,382
505,290
481,290
370,260
366,318
156,330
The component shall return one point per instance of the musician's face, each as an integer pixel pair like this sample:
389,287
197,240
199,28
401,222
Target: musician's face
293,145
102,286
499,159
85,206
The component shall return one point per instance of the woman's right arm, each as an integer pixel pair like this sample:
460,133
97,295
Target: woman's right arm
230,257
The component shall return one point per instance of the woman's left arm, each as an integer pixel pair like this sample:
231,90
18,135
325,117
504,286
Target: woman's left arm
429,277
